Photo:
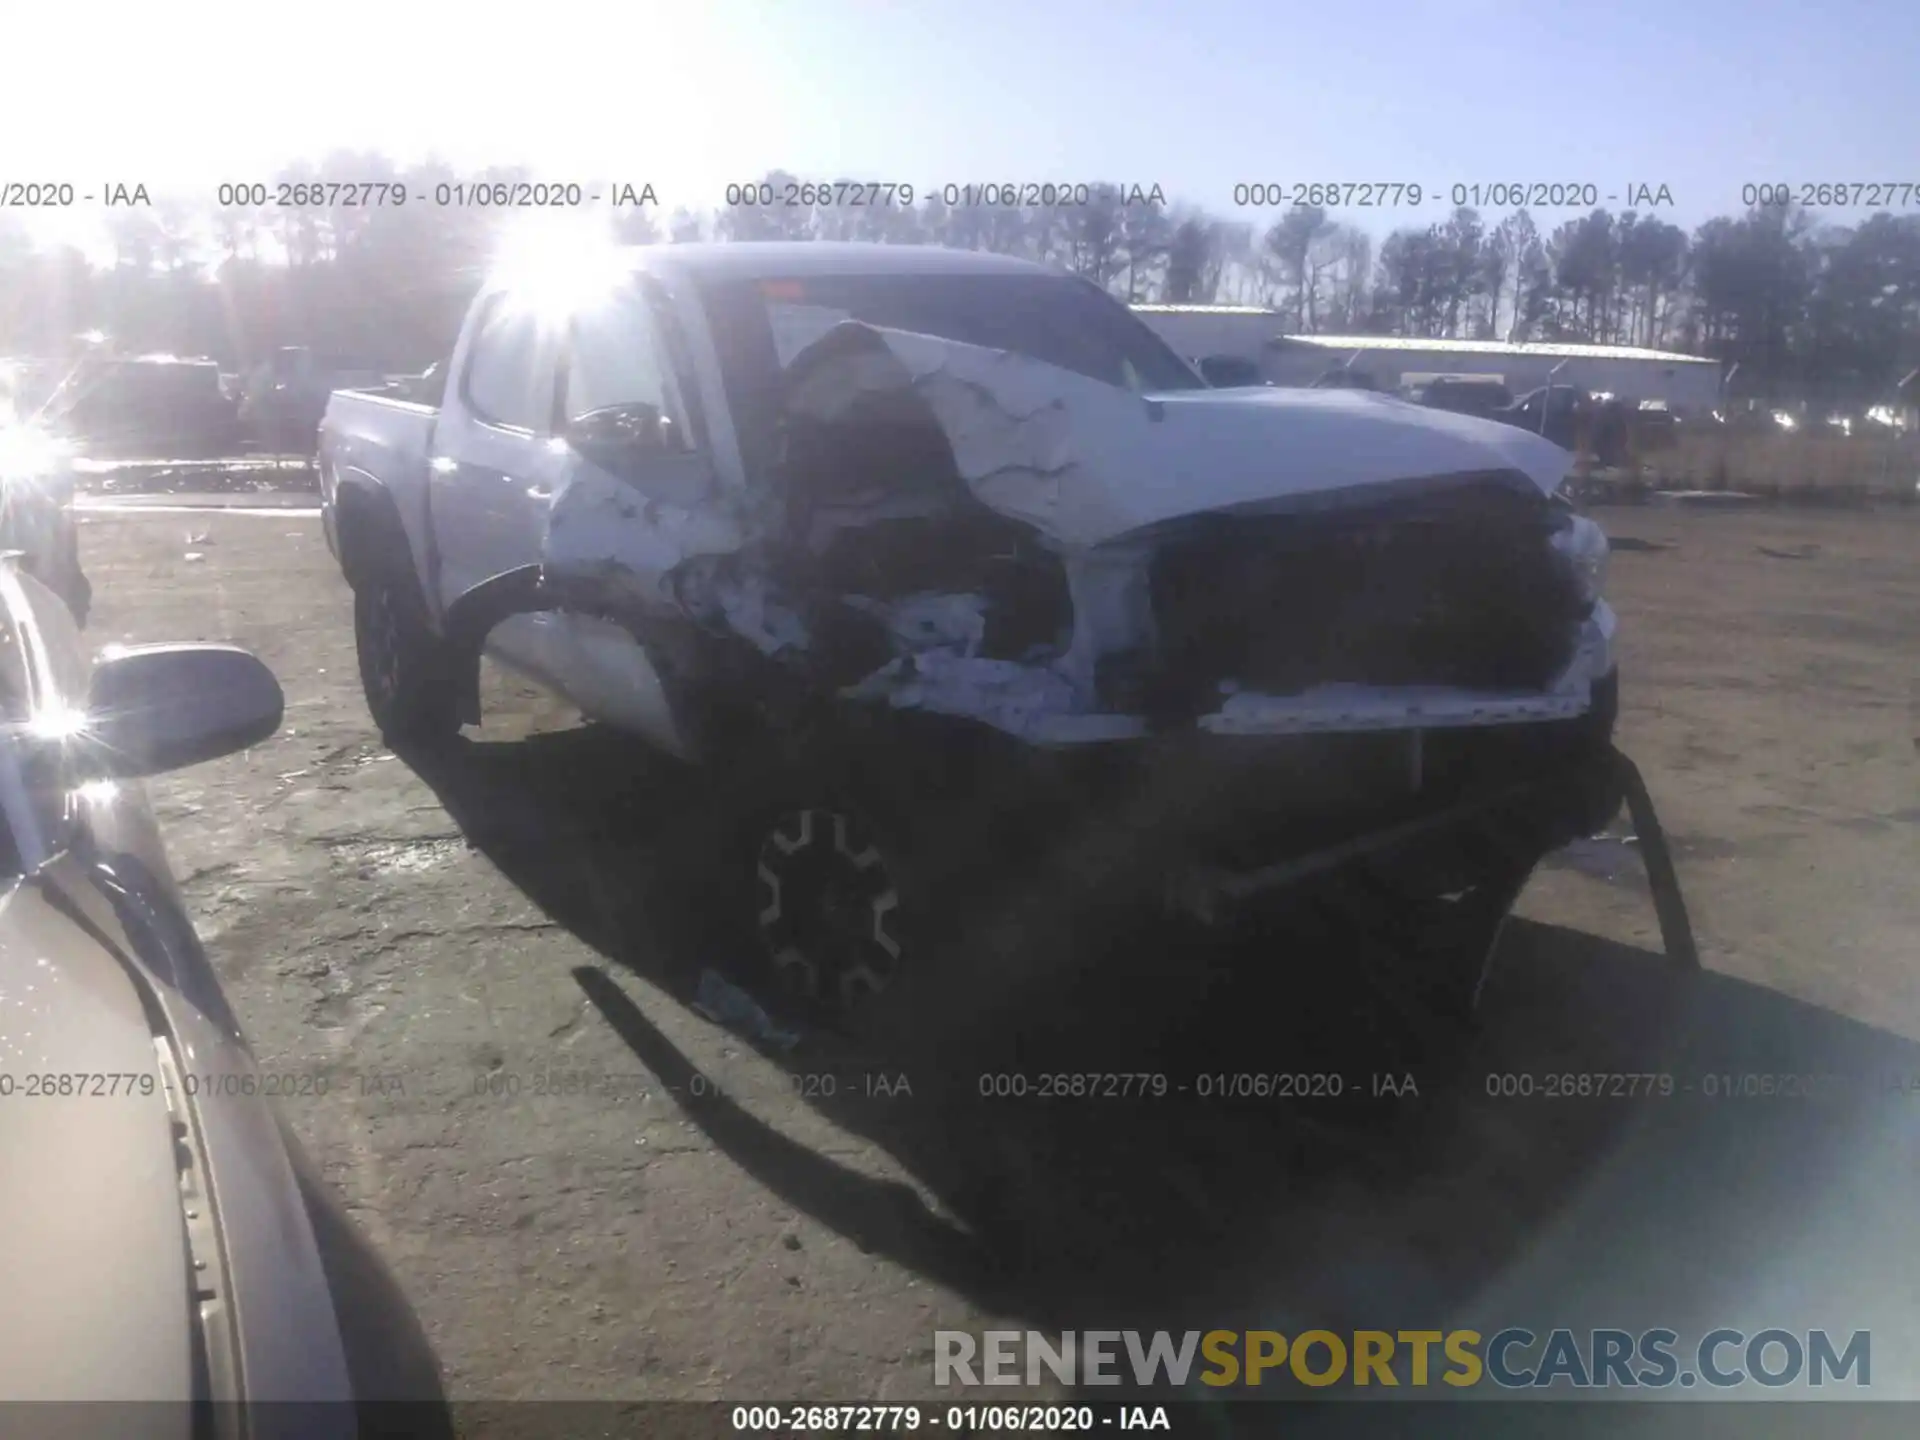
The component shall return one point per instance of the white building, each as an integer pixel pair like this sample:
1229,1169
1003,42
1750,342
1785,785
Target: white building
1391,362
1199,330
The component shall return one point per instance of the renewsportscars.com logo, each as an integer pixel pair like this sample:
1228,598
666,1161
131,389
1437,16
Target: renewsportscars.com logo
1511,1359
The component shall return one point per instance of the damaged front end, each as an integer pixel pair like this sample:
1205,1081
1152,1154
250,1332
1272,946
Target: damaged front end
1243,623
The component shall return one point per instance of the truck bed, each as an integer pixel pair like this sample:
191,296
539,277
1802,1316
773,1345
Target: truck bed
385,440
388,439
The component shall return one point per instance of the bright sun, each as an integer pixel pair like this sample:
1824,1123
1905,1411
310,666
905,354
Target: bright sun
558,264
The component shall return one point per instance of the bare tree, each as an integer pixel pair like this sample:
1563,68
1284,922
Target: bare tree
1290,242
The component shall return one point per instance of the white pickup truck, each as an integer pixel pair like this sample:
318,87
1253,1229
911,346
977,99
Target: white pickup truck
944,564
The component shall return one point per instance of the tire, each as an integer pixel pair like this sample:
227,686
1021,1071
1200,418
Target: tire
1434,953
1453,953
827,909
827,893
405,669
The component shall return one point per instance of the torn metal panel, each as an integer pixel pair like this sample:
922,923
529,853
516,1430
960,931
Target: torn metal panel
978,534
1086,462
1348,708
751,608
1033,702
608,531
930,621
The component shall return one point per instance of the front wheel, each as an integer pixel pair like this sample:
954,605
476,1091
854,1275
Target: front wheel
828,909
1455,947
405,669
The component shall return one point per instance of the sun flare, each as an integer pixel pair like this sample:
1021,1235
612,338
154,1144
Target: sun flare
558,265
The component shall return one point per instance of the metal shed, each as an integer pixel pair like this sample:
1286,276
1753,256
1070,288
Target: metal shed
1684,382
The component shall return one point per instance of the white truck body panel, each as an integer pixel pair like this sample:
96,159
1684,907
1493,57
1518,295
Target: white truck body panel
1086,464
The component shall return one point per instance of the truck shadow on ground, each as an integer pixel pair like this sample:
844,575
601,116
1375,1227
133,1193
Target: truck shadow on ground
1414,1191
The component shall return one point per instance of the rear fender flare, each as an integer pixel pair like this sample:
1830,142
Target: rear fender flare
372,545
368,531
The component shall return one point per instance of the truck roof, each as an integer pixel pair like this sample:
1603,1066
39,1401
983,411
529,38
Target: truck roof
769,259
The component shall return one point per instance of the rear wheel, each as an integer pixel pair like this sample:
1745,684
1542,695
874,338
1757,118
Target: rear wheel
405,669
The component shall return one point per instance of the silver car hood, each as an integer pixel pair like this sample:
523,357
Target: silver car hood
92,1235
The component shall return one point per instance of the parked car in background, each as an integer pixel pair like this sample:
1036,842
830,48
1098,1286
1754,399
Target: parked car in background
163,1239
1576,419
1656,426
902,542
1466,395
283,398
1555,411
1229,372
36,496
149,406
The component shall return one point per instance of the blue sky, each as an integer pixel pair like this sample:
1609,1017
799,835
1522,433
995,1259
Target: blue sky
1699,95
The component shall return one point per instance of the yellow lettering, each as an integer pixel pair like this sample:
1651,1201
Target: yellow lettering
1458,1352
1265,1349
1372,1351
1333,1343
1420,1340
1217,1346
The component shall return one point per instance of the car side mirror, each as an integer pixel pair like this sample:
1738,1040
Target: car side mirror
154,708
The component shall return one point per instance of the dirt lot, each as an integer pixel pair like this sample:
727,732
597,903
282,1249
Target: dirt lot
706,1221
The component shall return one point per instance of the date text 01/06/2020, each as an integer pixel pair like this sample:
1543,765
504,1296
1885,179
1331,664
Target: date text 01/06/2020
954,1419
1494,194
1714,1085
464,194
273,1085
500,1084
1209,1085
986,195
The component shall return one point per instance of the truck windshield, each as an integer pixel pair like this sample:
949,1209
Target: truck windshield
759,325
1054,318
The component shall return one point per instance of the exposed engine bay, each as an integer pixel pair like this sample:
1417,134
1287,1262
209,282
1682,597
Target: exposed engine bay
981,535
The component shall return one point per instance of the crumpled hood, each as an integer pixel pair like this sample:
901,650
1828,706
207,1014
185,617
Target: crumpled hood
1085,462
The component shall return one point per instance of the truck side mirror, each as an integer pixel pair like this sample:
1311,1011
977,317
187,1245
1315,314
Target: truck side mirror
621,439
638,442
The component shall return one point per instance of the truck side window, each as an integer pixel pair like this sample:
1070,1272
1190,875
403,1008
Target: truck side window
613,359
506,382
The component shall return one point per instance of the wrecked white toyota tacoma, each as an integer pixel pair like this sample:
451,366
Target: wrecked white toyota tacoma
943,561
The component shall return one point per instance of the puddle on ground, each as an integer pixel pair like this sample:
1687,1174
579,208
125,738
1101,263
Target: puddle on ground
1613,856
397,857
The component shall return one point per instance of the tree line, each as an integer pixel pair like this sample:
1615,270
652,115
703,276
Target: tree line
1808,309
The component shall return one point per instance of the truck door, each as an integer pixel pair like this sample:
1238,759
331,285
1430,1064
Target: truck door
492,463
626,354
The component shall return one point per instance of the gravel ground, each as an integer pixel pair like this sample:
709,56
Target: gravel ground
697,1219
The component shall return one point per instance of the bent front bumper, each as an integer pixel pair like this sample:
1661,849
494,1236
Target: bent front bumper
1561,783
